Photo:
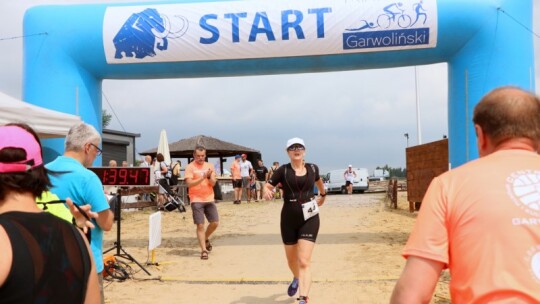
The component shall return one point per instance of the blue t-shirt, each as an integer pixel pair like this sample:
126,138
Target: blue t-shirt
83,187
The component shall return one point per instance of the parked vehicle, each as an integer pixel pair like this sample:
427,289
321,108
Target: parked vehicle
335,181
379,175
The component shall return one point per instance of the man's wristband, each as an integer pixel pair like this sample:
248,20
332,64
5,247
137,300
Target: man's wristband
323,195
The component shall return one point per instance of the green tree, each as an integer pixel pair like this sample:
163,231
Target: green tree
394,172
105,118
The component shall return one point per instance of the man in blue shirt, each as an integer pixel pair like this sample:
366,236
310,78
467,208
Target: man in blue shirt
74,180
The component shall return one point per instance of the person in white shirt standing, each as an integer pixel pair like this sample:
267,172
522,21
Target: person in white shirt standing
349,176
245,172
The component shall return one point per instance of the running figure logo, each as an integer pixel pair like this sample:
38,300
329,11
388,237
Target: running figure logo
146,31
394,13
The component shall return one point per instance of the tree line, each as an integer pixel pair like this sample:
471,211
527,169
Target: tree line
394,172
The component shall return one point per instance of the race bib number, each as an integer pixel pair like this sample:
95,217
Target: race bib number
310,209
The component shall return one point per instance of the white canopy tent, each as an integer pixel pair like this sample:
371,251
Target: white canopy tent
47,123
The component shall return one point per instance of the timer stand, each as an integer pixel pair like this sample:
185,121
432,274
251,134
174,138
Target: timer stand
120,252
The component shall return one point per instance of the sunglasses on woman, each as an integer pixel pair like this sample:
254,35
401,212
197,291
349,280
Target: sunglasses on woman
296,147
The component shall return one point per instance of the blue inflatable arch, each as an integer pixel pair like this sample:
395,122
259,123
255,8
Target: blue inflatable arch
485,43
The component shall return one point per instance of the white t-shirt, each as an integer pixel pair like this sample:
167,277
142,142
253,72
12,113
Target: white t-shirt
245,167
349,176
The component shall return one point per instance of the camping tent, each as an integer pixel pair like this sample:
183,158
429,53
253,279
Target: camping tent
47,123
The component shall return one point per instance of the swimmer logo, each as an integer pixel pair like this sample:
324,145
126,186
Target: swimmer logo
523,187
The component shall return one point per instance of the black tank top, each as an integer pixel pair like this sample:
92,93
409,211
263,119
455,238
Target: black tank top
296,189
51,263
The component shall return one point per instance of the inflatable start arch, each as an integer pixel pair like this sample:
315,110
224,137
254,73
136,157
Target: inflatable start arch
483,43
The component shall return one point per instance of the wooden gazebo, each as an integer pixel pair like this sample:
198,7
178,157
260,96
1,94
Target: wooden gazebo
215,148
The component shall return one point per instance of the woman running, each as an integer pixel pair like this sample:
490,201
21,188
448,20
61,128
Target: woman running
299,215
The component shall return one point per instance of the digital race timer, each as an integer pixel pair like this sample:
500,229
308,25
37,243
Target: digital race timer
123,176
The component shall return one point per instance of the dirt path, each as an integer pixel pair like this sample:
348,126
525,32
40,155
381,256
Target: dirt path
356,260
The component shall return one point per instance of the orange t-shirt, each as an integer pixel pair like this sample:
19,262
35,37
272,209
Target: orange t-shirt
483,221
235,170
203,192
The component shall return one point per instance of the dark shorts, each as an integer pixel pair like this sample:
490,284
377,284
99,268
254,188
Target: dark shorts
348,183
200,210
245,182
237,183
294,227
308,231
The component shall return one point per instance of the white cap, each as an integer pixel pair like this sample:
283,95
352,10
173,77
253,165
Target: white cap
350,166
294,141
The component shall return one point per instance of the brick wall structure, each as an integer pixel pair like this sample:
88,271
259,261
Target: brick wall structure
424,162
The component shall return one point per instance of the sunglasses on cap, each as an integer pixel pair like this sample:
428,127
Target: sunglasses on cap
296,147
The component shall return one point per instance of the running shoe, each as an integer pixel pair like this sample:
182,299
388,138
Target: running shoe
302,300
293,288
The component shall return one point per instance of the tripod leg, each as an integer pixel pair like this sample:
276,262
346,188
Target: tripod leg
127,256
118,244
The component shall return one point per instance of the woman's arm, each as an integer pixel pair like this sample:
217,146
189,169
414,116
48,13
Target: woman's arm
82,215
268,191
93,295
6,256
322,192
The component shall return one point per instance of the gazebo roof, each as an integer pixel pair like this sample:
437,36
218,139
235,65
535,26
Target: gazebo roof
214,148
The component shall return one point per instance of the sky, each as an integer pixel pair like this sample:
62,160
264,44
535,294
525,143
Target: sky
344,117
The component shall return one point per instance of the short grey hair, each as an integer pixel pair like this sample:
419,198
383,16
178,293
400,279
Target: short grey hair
79,135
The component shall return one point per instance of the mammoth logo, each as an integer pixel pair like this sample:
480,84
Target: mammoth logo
143,32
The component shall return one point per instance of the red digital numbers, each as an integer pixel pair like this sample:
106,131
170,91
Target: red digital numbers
132,176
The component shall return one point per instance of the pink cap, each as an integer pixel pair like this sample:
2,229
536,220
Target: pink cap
17,137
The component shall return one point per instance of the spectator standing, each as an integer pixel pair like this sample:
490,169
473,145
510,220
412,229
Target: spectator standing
262,177
200,179
480,220
278,191
111,190
161,179
175,173
82,185
147,162
253,185
245,171
236,179
44,259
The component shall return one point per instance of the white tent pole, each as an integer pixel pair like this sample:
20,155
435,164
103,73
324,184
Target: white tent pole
418,128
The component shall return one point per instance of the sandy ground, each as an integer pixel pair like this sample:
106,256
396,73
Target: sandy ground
356,259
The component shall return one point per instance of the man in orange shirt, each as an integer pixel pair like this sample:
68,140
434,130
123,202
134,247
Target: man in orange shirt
200,179
236,179
481,220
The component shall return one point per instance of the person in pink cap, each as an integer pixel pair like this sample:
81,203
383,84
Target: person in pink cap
43,259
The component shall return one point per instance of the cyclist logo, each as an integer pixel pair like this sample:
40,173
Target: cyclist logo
523,187
394,14
394,25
